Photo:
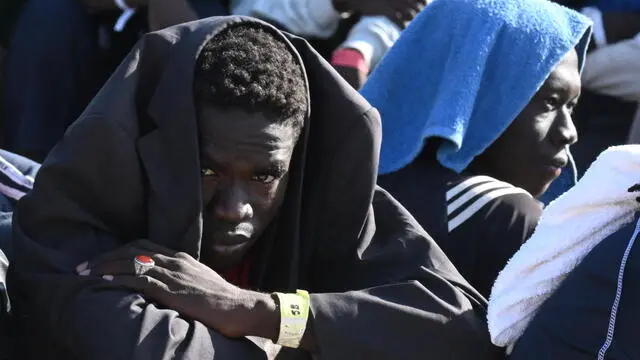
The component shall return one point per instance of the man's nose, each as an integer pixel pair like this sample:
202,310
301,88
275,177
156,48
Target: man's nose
565,133
232,204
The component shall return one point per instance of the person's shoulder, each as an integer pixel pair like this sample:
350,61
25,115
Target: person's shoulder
483,198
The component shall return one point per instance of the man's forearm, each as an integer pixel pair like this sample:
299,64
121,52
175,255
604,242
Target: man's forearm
139,330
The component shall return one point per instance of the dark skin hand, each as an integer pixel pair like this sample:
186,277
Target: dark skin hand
179,282
399,11
353,76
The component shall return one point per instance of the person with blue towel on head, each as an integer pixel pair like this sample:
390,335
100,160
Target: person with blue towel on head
478,126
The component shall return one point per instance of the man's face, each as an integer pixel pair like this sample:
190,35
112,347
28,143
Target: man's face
245,161
532,152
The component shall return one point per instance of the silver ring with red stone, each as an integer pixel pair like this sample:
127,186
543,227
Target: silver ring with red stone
142,264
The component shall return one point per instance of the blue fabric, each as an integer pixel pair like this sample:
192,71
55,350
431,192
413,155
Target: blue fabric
463,70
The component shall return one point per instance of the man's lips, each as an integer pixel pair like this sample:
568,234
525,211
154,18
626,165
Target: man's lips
228,234
224,237
559,162
229,238
554,166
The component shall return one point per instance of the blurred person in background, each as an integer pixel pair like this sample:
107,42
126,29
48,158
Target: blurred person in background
59,54
52,78
353,34
611,78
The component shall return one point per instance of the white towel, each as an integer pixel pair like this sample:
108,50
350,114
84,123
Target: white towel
570,227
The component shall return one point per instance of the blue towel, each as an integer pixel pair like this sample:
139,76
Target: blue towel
463,70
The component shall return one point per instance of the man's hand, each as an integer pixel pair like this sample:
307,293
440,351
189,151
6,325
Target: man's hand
354,77
181,283
399,11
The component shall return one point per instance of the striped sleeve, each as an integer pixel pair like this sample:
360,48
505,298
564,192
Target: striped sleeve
13,183
488,220
467,198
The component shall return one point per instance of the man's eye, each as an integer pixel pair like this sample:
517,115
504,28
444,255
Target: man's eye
208,172
264,178
551,103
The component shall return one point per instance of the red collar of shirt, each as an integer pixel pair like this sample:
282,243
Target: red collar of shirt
239,275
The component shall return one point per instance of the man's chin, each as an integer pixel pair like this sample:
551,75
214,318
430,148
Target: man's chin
224,257
228,249
539,189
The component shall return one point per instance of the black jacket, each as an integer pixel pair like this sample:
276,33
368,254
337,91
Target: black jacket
596,311
129,169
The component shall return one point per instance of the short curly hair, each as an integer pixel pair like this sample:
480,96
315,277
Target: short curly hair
248,67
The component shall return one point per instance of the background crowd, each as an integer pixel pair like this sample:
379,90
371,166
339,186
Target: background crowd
56,55
49,79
